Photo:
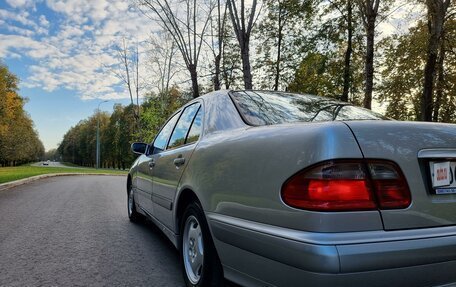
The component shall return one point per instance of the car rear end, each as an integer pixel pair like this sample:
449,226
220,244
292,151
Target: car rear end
426,154
422,235
349,203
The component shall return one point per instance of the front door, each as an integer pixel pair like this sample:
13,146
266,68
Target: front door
144,184
171,163
147,164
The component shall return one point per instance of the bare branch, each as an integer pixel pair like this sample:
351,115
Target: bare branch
252,16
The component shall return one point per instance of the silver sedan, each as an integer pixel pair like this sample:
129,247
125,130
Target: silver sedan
279,189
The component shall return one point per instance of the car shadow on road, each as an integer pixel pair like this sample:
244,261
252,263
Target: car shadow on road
150,226
166,243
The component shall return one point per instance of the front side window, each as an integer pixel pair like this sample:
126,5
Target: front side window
183,125
162,138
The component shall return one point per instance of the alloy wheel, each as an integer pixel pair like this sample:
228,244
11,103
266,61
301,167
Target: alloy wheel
193,249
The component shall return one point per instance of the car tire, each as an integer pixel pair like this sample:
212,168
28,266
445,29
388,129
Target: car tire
133,215
200,263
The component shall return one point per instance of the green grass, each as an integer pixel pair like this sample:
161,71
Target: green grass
8,174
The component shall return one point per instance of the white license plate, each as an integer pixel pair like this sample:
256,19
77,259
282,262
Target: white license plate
443,176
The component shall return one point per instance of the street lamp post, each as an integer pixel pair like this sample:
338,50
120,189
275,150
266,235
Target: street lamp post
98,134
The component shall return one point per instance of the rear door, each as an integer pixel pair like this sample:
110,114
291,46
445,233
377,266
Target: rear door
170,164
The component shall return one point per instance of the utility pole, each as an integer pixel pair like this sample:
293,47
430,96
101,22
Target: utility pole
98,133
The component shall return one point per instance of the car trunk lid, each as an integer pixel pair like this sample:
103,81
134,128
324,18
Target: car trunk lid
420,150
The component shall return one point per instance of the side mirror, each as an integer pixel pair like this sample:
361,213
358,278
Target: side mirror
139,148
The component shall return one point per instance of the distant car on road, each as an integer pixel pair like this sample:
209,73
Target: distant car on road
279,189
46,162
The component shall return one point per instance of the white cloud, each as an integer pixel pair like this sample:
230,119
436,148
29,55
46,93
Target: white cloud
21,17
43,21
74,9
105,96
20,31
21,3
26,46
76,51
70,31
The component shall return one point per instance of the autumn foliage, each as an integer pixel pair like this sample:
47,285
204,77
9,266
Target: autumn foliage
19,142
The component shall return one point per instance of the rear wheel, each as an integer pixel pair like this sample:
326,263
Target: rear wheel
133,215
199,258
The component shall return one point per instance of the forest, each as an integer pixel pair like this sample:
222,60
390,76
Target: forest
117,131
397,54
19,142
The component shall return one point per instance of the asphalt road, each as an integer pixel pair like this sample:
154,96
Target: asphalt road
74,231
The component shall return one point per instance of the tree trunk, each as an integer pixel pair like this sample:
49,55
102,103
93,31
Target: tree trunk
217,73
429,75
348,52
436,17
369,68
245,55
194,77
440,82
242,31
369,12
221,32
279,51
226,77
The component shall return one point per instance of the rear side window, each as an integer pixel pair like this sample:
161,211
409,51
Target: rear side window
195,130
269,108
162,138
183,125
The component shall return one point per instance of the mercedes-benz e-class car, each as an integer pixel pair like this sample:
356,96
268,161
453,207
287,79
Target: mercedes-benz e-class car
279,189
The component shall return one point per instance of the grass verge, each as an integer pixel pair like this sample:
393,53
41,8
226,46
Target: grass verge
8,174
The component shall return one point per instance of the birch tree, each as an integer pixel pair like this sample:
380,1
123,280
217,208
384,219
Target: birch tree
231,67
128,73
436,12
278,33
369,12
243,22
348,52
187,22
217,28
162,61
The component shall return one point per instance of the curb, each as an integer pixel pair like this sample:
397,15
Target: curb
11,184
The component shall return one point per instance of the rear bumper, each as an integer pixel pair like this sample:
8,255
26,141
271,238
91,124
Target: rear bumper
334,255
395,254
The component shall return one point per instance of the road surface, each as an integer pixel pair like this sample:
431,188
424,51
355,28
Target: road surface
74,231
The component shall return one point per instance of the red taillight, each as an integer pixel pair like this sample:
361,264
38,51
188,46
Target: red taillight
347,186
390,185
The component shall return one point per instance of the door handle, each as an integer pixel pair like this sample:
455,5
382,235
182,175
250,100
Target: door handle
151,163
179,161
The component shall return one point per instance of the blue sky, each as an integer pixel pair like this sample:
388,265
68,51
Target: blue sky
64,52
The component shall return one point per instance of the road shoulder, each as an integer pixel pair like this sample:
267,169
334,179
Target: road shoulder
11,184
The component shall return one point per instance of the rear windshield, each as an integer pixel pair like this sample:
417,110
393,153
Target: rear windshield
269,108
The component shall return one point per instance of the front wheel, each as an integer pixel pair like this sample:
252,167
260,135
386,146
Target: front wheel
199,258
133,215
